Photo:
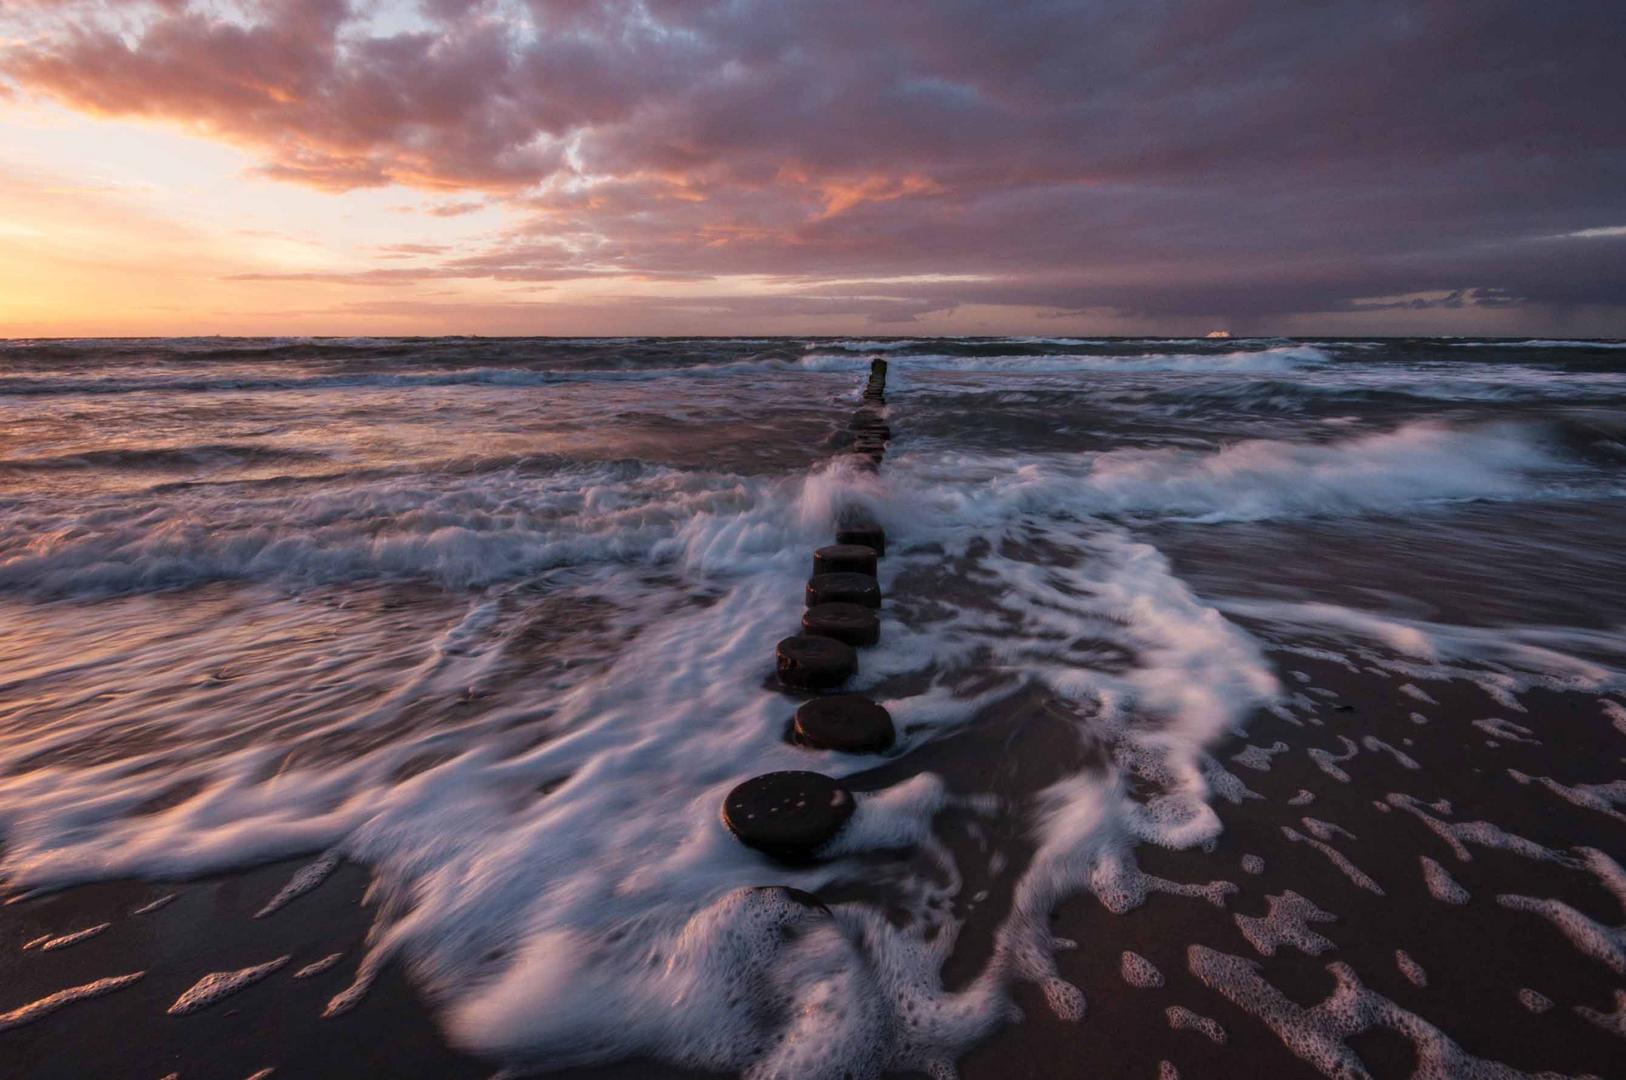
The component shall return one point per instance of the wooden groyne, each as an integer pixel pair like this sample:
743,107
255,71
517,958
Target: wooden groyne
791,815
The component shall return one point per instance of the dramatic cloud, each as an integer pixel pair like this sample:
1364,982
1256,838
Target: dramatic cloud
1241,159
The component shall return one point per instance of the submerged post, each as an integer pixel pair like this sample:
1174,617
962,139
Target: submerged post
791,815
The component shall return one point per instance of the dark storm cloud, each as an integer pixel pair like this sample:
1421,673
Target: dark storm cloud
1158,158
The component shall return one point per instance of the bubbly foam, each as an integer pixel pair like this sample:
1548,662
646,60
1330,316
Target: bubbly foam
1183,1019
219,985
1613,1021
1441,885
304,880
34,1010
1286,923
1535,1001
319,967
1417,464
1139,971
1337,858
1317,1034
1411,969
65,940
1258,757
1328,762
1459,834
1606,944
548,862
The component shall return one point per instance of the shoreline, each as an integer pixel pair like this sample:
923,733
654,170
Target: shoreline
1471,991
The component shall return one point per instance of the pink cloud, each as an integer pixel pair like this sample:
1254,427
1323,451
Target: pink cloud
1215,157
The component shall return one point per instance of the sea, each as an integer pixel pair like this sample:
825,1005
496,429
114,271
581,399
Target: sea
494,620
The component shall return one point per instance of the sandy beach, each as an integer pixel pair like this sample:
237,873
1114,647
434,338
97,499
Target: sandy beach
1228,737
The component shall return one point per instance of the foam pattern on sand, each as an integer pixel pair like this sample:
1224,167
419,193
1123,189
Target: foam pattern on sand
34,1010
219,985
1337,858
1318,1034
74,938
1286,922
515,687
1183,1019
533,886
1139,971
1440,884
1606,944
1411,969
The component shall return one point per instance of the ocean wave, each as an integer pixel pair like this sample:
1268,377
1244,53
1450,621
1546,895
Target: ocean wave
517,377
528,882
530,939
1412,466
1401,388
459,531
1258,361
499,518
1542,343
880,345
139,458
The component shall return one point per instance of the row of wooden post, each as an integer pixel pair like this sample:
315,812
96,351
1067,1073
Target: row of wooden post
791,815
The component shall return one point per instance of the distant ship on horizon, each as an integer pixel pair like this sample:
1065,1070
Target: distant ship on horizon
1218,334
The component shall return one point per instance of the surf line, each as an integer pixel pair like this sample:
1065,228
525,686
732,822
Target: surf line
789,816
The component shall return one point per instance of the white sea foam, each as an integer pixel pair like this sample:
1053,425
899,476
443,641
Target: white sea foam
304,880
1417,464
154,905
1459,834
1541,343
1258,757
1616,713
1275,360
1327,761
1286,922
1410,968
1535,1001
222,984
1139,971
1606,944
460,532
1318,1034
548,894
1403,759
1602,798
1506,730
34,1010
552,866
1503,661
1441,885
1337,858
64,940
318,967
1183,1019
1613,1021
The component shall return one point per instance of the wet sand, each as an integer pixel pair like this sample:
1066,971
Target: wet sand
1476,956
1330,804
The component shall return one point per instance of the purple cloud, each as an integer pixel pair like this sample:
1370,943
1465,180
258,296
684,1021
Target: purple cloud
1163,159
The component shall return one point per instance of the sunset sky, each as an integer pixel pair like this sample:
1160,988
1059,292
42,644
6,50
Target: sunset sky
771,166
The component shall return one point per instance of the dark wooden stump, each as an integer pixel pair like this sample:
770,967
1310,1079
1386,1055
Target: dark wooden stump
788,815
843,589
844,558
848,722
809,662
847,623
